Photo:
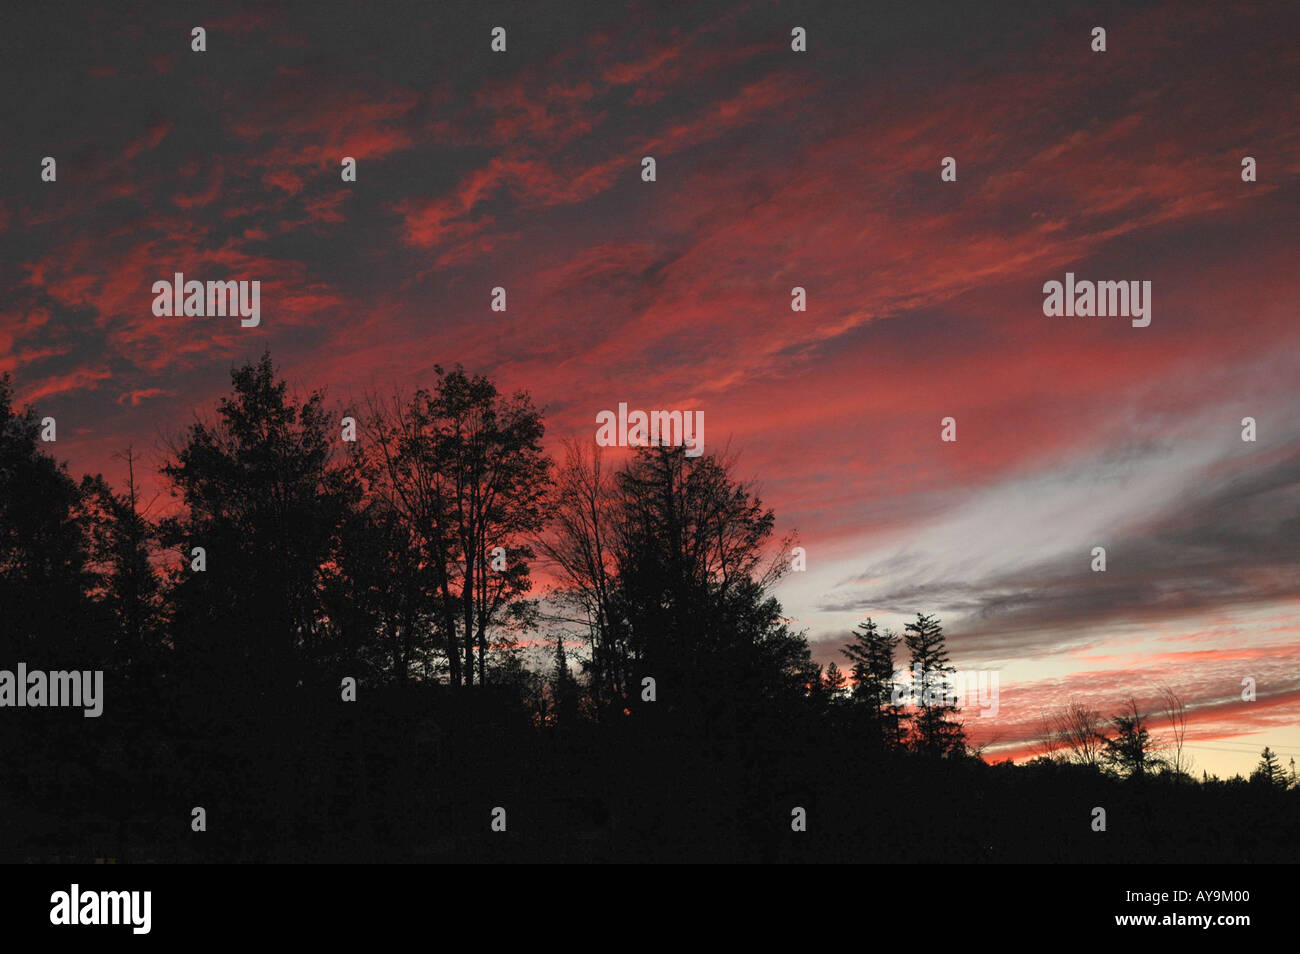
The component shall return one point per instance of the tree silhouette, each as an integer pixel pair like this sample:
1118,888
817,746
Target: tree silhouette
1079,728
122,544
694,585
1175,711
935,731
1269,771
564,688
381,596
1130,750
834,680
872,655
265,498
465,470
581,549
45,576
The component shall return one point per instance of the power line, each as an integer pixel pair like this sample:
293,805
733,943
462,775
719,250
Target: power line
1211,748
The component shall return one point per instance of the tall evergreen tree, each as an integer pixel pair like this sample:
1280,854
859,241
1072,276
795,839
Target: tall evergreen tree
872,656
935,731
834,680
1269,770
564,688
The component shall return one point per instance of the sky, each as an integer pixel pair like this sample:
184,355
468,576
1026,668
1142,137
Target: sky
820,169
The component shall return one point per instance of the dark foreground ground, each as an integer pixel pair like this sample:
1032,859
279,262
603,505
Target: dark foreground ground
413,775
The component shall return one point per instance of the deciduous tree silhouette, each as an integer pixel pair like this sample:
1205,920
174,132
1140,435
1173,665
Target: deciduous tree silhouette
465,470
1079,728
1175,711
581,549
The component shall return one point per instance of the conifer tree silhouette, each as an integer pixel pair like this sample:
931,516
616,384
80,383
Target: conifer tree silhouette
935,731
265,496
872,655
1129,751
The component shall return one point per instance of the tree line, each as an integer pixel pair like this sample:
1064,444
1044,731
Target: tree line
292,554
424,559
409,555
